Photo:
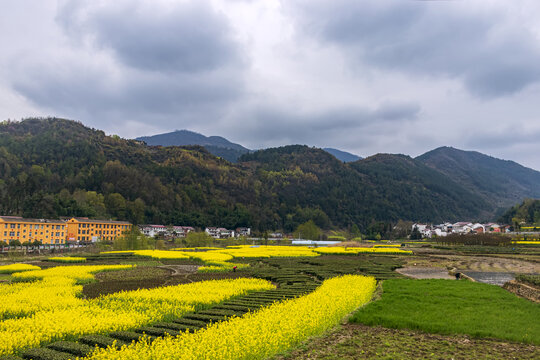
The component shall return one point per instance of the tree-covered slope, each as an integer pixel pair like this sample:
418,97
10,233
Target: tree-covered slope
503,183
53,167
378,188
412,190
528,213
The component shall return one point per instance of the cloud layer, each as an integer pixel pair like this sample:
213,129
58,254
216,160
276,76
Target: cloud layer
367,77
441,39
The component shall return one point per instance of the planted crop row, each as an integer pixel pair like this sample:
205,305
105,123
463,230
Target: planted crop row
260,334
197,320
44,310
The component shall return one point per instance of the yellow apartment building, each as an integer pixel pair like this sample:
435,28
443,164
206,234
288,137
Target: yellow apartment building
29,230
84,229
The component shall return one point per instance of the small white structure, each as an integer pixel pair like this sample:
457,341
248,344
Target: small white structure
243,231
462,227
219,233
153,230
181,231
492,227
420,227
478,228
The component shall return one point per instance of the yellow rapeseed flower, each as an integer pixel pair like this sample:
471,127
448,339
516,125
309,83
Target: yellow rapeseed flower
260,334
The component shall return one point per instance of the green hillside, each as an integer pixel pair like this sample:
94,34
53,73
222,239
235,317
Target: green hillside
502,183
54,167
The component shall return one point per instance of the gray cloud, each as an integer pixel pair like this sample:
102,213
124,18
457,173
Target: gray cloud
503,138
325,128
430,39
362,76
183,71
181,37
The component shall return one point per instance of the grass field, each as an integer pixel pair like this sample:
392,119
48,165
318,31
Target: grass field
453,307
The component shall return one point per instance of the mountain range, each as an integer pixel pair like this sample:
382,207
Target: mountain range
54,167
220,146
216,145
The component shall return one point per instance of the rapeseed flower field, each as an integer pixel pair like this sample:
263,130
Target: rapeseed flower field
260,334
217,260
13,268
50,307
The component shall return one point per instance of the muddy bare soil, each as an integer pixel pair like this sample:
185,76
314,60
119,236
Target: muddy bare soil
487,263
148,278
352,341
425,272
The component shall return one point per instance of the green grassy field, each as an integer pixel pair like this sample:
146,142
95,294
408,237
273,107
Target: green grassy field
453,307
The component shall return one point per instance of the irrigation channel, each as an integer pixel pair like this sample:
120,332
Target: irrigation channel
488,277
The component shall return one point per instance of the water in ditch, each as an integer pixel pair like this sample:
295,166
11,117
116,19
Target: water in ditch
494,278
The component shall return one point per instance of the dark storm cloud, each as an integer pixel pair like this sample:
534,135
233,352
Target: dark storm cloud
427,38
174,65
183,37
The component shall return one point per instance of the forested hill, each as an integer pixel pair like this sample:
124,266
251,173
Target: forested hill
502,183
419,192
53,167
528,213
216,145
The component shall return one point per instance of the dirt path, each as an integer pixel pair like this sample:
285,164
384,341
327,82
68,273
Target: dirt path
477,263
425,272
180,269
352,341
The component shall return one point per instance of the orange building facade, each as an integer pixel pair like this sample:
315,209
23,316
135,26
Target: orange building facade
29,230
60,231
84,229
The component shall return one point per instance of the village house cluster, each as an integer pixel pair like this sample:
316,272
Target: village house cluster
175,232
166,232
46,231
462,228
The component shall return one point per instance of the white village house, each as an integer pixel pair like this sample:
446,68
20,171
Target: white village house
219,233
165,231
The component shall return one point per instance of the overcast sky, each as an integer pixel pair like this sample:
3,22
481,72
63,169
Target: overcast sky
397,76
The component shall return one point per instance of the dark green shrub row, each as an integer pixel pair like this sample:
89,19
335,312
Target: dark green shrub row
71,347
190,323
127,336
205,318
101,341
45,354
172,326
156,331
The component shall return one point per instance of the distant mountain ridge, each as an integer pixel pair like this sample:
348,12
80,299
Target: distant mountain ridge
216,145
342,155
219,146
502,183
